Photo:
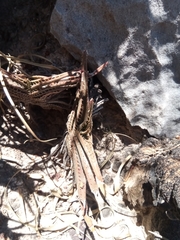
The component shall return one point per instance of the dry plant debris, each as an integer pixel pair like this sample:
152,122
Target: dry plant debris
45,201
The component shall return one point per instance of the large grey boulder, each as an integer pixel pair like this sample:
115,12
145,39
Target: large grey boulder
141,41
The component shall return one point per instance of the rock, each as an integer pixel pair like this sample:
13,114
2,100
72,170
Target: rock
140,40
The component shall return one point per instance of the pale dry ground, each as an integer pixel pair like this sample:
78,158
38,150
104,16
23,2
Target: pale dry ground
39,197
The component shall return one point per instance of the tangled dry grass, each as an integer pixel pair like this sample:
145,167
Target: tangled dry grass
44,200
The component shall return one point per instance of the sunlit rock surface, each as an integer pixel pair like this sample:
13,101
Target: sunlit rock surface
140,40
